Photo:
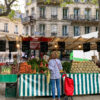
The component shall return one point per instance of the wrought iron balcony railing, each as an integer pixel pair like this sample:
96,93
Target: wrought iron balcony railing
83,17
42,34
55,2
28,19
53,34
4,31
53,16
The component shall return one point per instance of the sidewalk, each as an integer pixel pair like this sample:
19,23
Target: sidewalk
94,97
2,96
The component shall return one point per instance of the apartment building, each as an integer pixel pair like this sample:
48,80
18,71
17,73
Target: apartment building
8,26
9,30
52,19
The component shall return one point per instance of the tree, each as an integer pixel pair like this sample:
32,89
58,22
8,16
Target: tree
7,7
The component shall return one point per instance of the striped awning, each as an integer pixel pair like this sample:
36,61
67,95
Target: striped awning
36,84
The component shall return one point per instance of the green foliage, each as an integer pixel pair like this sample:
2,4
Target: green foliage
67,66
11,15
32,61
29,2
95,2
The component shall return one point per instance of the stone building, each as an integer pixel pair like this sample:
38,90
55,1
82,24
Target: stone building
52,19
10,29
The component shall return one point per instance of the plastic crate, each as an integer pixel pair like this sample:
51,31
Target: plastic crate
10,92
10,85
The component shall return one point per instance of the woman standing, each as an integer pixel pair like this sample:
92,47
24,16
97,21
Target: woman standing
55,66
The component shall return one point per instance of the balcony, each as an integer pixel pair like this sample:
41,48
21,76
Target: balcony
65,34
42,17
82,19
6,31
65,17
42,34
28,19
54,17
15,32
49,2
53,34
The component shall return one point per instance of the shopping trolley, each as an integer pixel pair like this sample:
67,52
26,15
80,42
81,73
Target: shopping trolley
68,88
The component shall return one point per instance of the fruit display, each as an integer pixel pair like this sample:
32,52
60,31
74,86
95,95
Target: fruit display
84,67
33,66
6,70
25,68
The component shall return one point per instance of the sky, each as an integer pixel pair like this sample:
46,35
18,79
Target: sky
21,5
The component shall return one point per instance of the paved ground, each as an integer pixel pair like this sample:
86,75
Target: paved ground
97,97
2,96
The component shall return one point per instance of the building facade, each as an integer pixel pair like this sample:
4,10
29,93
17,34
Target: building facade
8,26
53,19
9,30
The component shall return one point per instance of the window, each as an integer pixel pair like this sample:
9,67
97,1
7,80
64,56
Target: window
33,1
65,13
42,12
64,30
0,10
87,14
32,11
96,28
32,30
16,29
76,30
87,29
54,12
42,29
76,0
6,27
27,30
87,0
27,13
76,13
54,28
97,14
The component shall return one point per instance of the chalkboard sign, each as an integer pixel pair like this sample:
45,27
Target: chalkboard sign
2,45
25,45
12,46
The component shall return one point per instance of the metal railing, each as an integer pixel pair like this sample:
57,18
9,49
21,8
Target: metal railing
65,34
4,31
28,19
53,16
42,34
49,2
53,34
42,16
81,17
15,32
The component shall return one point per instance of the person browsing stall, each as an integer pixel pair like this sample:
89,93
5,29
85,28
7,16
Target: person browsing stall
55,66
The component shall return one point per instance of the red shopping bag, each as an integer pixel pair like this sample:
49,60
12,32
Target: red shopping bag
68,86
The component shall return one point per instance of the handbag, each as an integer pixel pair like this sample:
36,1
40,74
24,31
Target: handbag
68,85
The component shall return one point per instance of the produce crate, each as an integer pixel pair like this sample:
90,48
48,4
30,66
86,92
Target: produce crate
11,90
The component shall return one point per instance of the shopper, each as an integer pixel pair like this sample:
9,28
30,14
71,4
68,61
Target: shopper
55,66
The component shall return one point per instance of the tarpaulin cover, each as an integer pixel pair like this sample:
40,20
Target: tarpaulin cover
36,84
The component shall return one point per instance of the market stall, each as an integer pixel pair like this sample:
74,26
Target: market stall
32,78
36,84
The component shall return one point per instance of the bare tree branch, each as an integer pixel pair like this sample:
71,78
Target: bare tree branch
12,2
8,8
